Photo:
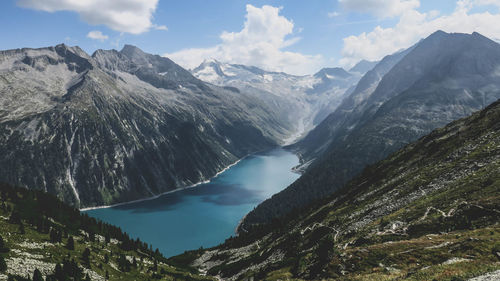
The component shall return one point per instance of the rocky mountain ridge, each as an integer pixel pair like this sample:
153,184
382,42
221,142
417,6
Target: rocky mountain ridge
119,125
442,78
427,212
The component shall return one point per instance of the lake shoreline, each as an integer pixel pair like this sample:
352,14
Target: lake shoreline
166,192
239,224
208,214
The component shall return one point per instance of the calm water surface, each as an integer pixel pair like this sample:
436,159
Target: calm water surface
207,214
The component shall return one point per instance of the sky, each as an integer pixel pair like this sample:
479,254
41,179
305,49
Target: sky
294,36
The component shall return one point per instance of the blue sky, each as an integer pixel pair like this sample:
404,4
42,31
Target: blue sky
302,36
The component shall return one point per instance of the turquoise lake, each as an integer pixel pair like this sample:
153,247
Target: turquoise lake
207,214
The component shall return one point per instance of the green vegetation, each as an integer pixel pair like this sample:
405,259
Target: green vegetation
41,238
430,211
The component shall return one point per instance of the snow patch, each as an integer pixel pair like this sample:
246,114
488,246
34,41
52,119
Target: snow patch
268,78
455,260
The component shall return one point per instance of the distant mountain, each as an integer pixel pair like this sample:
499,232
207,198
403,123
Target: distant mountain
363,66
302,100
427,212
120,125
443,78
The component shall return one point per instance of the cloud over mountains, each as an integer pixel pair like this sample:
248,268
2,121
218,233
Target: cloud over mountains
262,42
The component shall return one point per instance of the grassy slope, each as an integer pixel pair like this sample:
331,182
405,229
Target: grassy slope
34,249
429,211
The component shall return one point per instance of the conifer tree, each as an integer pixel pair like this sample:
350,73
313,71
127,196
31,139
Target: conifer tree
58,272
70,245
3,247
21,228
37,275
3,264
155,265
15,217
86,257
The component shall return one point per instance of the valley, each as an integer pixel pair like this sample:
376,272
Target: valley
385,171
206,214
429,211
119,126
303,100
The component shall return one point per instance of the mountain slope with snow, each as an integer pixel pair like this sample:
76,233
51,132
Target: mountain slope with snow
302,100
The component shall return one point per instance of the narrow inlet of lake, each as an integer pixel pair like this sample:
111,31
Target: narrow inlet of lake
205,215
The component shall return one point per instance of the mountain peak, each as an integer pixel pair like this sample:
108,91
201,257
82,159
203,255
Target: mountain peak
210,61
211,66
439,32
363,66
131,51
334,71
61,46
441,35
129,47
63,49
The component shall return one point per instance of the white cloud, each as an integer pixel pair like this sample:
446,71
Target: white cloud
261,43
333,14
160,27
131,16
414,25
97,35
380,8
488,2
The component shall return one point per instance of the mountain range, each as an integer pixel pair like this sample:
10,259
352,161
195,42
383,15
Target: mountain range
116,126
427,212
308,99
444,77
400,162
120,125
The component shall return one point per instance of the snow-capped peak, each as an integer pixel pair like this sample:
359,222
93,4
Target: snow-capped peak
210,71
210,61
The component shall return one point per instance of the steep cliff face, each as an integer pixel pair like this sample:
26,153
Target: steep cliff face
119,126
443,78
430,211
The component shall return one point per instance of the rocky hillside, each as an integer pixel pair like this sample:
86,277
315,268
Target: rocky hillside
303,101
427,212
335,125
42,238
120,125
443,78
